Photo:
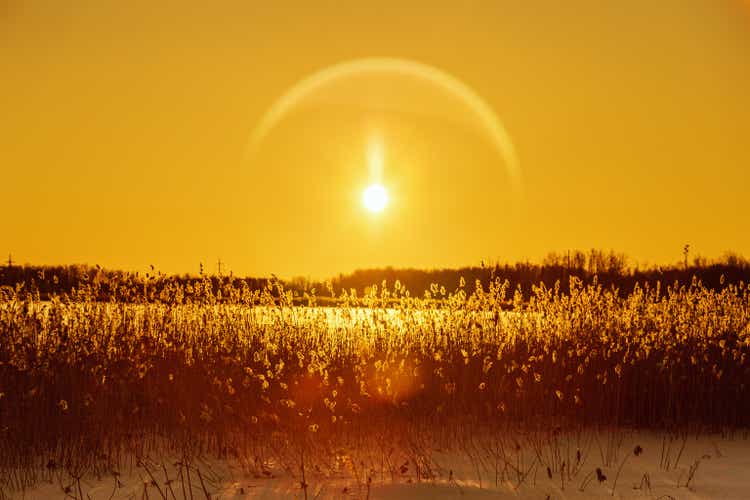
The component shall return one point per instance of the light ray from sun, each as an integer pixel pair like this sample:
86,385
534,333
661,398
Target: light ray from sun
375,159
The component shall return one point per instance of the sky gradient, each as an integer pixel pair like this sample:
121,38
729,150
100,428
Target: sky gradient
125,126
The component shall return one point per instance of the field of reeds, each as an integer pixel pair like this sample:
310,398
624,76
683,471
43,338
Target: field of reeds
88,386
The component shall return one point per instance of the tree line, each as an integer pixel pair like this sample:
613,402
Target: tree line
608,269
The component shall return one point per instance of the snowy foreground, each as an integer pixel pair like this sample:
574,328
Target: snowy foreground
691,467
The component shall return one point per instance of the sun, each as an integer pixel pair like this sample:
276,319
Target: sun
375,198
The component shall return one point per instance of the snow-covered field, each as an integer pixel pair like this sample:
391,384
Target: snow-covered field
681,467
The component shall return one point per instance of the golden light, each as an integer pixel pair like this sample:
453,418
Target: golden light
375,198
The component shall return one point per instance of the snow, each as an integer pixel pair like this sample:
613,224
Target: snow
722,472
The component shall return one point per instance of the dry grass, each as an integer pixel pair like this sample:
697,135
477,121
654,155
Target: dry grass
85,386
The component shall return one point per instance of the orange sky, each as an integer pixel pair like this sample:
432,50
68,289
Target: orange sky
124,127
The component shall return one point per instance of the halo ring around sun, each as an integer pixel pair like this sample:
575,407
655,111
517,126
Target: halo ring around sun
484,113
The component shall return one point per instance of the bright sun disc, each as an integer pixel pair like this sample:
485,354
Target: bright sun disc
375,198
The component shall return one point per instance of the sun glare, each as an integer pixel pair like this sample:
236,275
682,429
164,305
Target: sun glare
375,198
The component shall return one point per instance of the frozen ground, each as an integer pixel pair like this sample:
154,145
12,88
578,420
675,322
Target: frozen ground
700,467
